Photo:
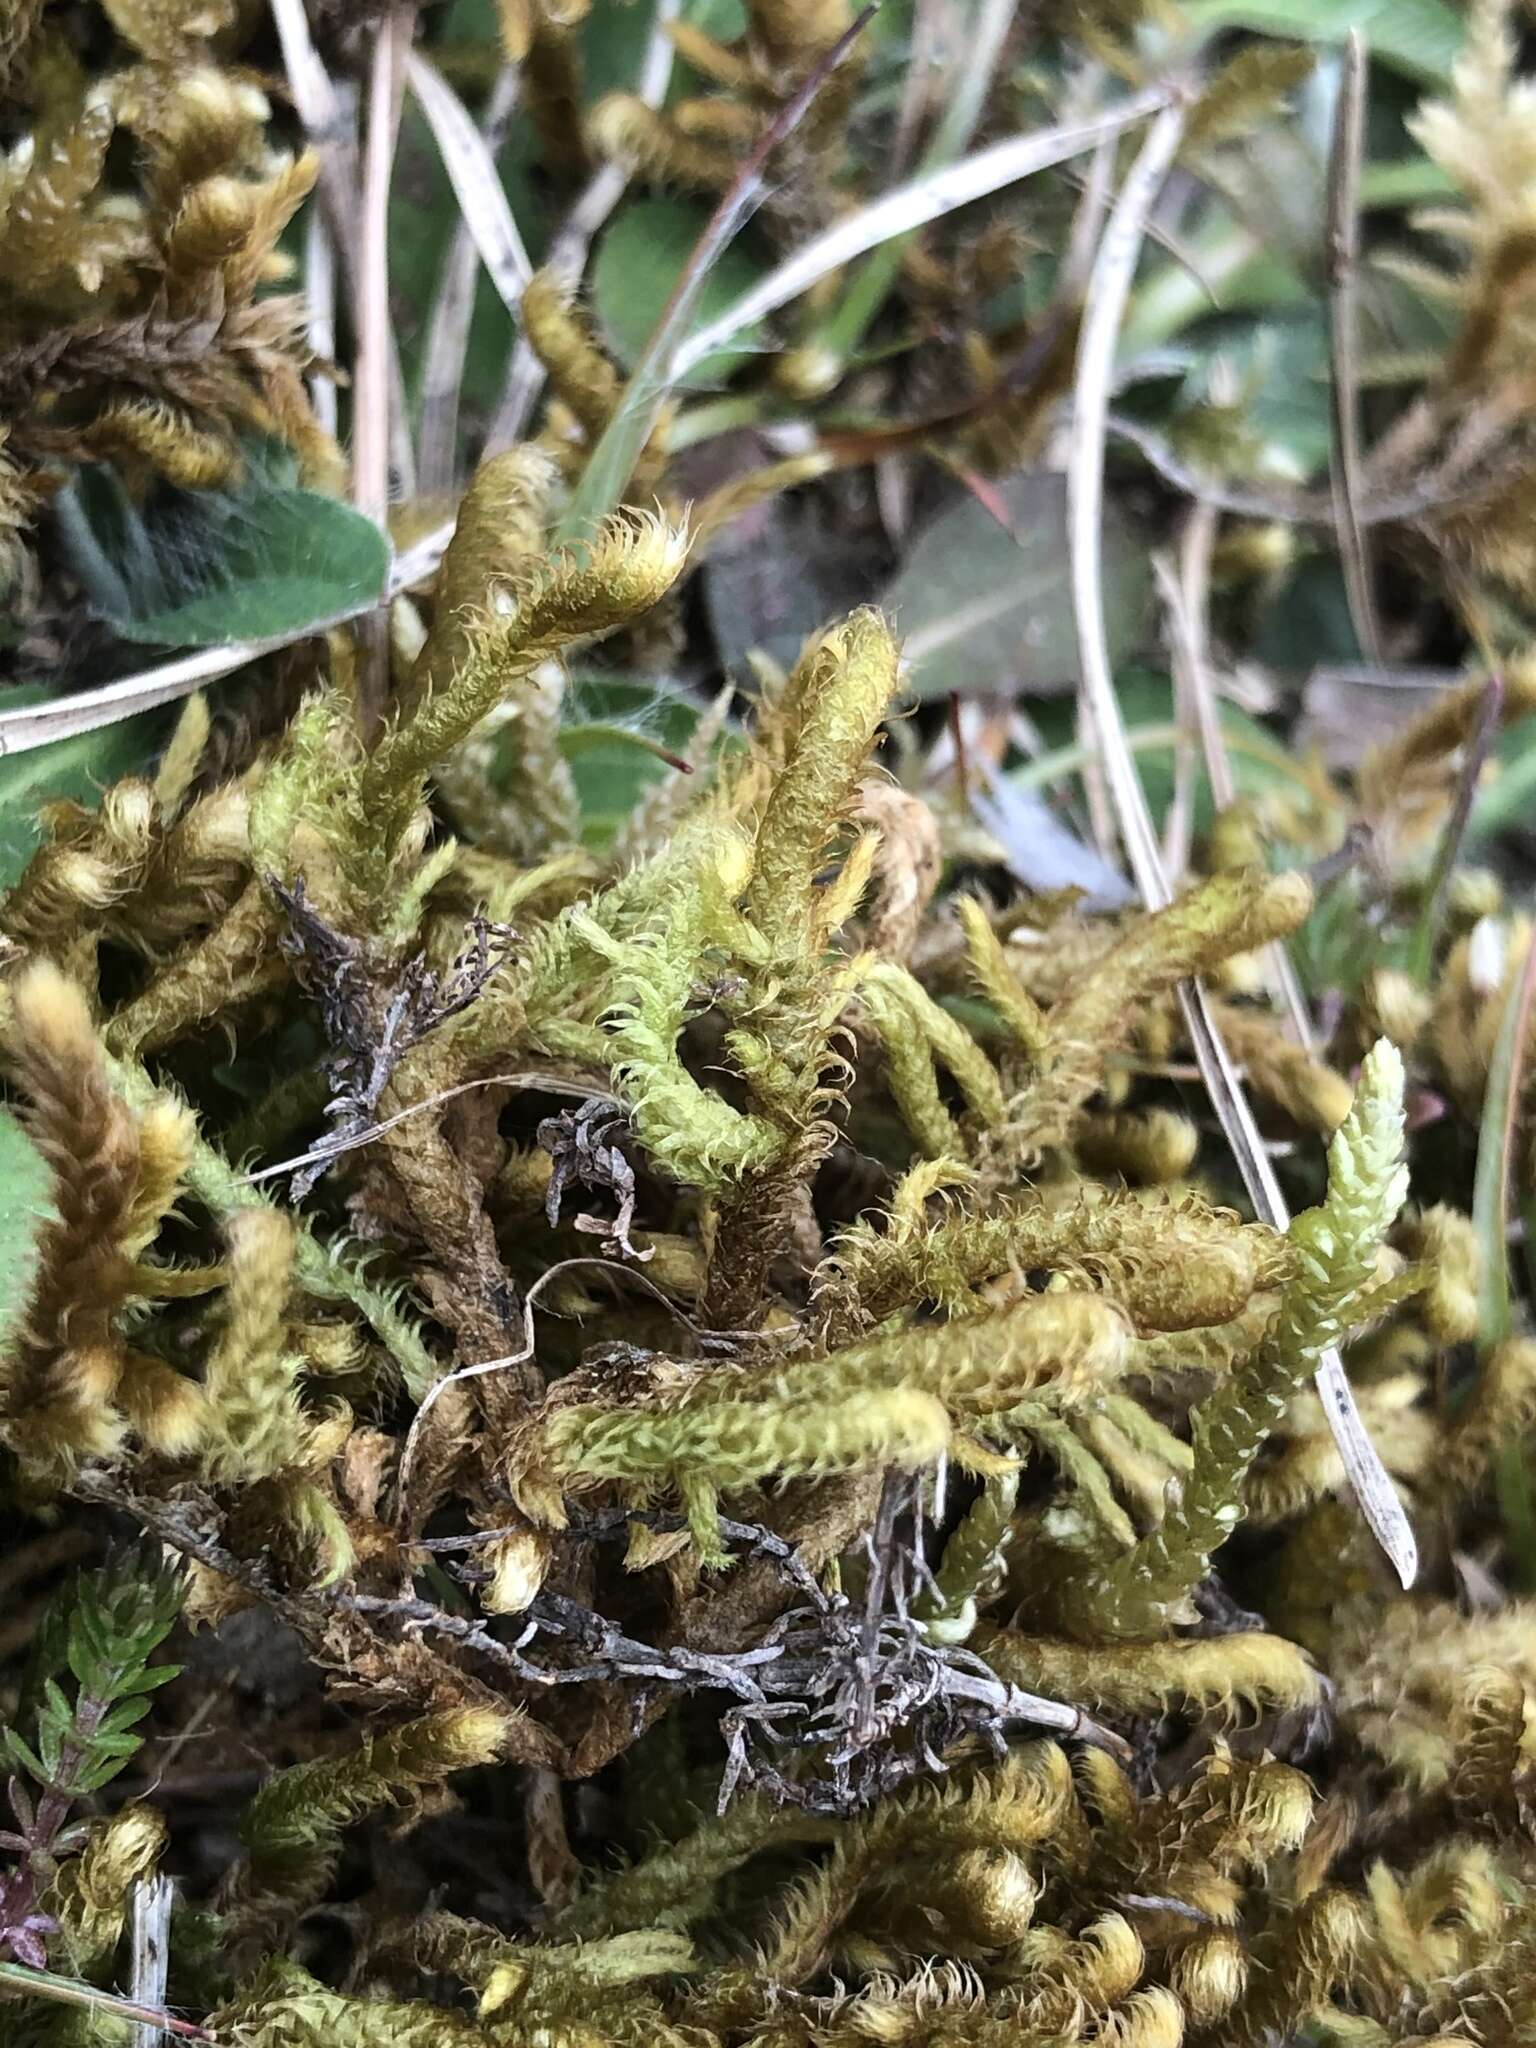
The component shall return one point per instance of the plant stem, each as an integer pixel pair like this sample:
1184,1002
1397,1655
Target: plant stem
66,1991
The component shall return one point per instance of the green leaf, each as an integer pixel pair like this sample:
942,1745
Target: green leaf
613,724
1406,181
1260,764
55,1723
1306,624
121,1745
613,37
78,768
23,1756
293,559
50,1655
148,1680
127,1713
1280,366
91,1651
26,1204
1418,37
725,20
984,607
640,259
102,1770
780,574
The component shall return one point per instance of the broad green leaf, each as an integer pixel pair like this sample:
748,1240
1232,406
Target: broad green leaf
1289,408
79,768
26,1204
291,560
469,22
1418,37
1227,264
639,260
983,607
781,573
1275,185
205,568
612,723
613,37
1306,624
1280,368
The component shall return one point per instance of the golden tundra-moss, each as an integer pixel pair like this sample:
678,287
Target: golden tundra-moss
729,1222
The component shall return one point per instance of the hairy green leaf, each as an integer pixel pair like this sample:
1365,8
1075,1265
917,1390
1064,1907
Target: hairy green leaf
293,559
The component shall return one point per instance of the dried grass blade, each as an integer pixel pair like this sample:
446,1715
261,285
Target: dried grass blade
475,179
330,125
1108,290
39,725
1343,270
1087,218
910,206
1108,287
1184,598
373,415
1475,760
447,344
1496,1153
1179,819
151,1952
371,393
612,461
568,251
968,87
924,52
66,1991
1492,1183
320,107
320,312
442,366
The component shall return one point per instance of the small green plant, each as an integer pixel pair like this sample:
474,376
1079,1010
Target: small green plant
96,1642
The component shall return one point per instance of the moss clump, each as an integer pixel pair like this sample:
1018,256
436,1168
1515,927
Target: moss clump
676,1324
